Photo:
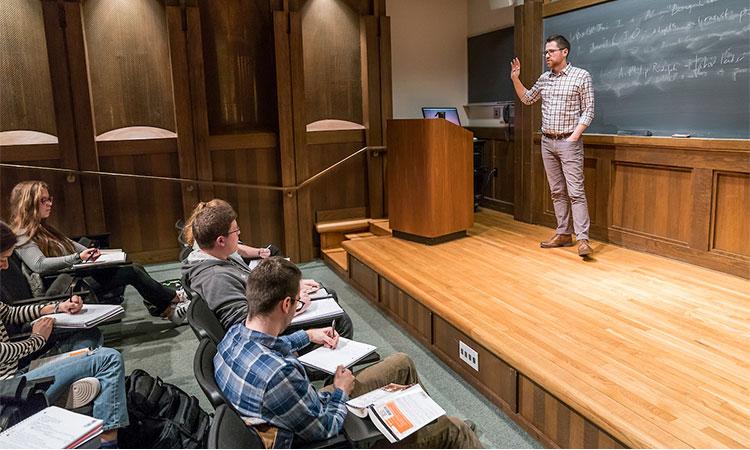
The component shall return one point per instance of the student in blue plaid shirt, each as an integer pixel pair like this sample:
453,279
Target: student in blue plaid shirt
567,110
258,372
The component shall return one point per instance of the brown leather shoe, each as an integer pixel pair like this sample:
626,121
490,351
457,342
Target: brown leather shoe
584,249
559,240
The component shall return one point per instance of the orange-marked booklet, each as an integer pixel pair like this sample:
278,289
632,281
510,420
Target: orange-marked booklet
397,411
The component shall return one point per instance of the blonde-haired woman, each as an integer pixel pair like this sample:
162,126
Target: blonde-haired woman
44,249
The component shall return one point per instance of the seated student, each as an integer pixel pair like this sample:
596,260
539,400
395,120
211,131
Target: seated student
45,249
258,373
246,252
104,364
218,275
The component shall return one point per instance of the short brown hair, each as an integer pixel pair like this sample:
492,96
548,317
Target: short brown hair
273,280
211,222
560,41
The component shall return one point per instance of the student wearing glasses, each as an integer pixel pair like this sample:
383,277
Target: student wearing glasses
258,373
96,375
567,110
44,249
217,273
246,252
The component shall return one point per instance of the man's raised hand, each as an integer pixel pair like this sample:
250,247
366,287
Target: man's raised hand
515,68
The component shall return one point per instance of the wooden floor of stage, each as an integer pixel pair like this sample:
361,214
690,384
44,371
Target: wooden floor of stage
655,352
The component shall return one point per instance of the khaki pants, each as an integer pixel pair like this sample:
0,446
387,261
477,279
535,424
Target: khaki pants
446,432
563,162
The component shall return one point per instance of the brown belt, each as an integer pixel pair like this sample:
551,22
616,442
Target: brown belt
557,136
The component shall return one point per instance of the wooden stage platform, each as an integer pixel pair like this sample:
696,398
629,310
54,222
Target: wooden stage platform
627,349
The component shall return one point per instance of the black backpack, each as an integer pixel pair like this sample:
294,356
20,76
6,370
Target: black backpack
162,415
21,398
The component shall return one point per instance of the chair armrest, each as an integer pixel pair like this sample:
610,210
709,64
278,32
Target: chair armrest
339,441
80,272
361,432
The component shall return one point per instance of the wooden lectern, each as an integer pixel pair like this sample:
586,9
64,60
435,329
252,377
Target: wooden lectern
430,173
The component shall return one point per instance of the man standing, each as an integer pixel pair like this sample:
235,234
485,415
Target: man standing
567,109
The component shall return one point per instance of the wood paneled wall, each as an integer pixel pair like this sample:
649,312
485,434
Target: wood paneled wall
687,199
213,91
128,64
25,82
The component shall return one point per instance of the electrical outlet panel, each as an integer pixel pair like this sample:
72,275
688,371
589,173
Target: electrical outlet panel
468,355
497,112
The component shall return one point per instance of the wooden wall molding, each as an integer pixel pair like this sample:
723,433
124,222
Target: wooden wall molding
527,39
553,8
178,52
140,147
335,137
287,148
242,141
730,215
29,153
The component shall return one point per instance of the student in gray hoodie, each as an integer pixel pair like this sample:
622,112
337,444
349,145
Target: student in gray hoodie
217,273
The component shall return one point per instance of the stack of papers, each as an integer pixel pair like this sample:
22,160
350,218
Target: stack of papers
109,256
346,354
319,311
53,427
89,317
397,411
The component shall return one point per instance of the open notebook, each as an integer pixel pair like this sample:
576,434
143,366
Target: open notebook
346,354
90,316
319,310
107,257
53,427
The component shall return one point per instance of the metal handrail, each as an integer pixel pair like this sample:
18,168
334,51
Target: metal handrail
286,189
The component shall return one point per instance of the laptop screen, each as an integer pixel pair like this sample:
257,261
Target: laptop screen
450,114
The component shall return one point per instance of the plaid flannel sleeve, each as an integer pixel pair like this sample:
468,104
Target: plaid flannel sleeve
297,340
295,404
587,101
534,94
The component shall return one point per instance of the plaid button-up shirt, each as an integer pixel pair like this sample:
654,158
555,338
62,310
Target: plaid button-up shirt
567,99
262,379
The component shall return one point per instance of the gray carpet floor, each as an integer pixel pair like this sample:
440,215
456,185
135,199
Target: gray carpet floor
167,351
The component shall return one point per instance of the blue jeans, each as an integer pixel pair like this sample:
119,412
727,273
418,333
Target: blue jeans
104,364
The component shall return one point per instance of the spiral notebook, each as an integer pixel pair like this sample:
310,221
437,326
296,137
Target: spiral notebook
52,427
346,354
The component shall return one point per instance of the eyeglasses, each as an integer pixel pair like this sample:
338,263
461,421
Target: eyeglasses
46,200
299,303
552,50
234,231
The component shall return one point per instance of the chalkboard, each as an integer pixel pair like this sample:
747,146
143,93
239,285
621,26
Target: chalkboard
667,66
489,70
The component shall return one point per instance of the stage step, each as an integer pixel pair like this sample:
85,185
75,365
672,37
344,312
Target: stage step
363,235
333,232
380,227
336,260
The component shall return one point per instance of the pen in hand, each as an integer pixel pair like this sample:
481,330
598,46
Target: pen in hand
92,255
333,335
